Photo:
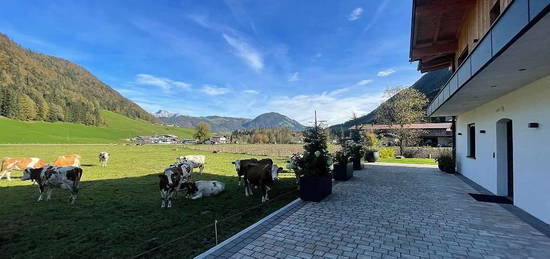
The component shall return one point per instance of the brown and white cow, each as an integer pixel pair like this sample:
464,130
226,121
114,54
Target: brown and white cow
67,160
49,177
262,174
240,165
199,189
19,164
171,182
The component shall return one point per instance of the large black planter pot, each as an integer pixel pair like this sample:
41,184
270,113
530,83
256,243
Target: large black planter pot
372,156
357,165
343,172
315,188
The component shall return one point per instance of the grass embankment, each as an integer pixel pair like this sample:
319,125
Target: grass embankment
117,213
422,161
117,128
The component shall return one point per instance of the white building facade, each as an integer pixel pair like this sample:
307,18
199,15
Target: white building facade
499,96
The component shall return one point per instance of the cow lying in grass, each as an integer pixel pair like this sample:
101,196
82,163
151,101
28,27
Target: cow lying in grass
197,161
261,174
199,189
49,177
171,182
19,164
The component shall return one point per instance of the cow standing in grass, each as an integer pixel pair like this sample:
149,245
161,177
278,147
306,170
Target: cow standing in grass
104,158
240,165
171,182
19,164
197,161
67,160
49,177
261,174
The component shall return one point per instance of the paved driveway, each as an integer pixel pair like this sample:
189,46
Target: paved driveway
392,212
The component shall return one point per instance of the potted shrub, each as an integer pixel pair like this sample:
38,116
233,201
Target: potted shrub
371,154
343,168
313,167
356,152
446,163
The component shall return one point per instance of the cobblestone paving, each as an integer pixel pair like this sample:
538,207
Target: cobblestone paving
397,212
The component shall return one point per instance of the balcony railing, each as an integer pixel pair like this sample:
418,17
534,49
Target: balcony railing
510,25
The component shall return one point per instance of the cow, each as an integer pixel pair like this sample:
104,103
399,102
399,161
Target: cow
49,177
240,165
19,164
171,182
104,158
262,174
67,160
198,161
199,189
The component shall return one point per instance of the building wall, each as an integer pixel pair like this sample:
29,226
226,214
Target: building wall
530,103
476,24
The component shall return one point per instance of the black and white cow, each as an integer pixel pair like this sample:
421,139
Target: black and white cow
197,161
49,177
240,165
199,189
104,158
261,174
171,182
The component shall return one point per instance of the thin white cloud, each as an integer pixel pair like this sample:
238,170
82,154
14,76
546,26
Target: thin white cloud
246,52
251,92
363,82
355,14
331,106
294,77
160,82
214,90
377,14
386,72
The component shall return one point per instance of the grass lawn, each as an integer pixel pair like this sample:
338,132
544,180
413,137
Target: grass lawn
423,161
117,213
117,128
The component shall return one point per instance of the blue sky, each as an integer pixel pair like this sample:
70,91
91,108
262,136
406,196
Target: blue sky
229,58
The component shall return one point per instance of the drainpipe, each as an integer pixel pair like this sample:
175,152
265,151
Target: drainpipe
453,130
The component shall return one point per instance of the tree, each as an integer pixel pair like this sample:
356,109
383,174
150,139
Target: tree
28,110
405,106
203,132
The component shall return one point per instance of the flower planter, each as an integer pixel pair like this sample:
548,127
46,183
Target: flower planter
343,172
315,188
357,165
372,156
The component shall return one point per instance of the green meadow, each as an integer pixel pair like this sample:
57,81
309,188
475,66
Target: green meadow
117,128
117,213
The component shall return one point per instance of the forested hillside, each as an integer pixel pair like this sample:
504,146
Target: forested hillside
45,88
429,84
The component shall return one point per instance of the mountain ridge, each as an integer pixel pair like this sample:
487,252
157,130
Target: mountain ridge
227,124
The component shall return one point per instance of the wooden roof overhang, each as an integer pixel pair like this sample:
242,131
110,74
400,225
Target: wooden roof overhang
435,28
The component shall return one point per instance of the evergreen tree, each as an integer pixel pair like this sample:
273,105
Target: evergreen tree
27,108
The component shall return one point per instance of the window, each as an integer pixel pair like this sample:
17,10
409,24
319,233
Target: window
462,56
472,140
495,12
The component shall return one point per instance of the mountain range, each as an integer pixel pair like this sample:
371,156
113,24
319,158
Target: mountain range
227,124
37,87
429,84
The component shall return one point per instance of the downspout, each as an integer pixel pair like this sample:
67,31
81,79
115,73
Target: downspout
453,129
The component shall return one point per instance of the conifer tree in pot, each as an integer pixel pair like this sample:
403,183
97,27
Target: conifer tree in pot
343,168
313,167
